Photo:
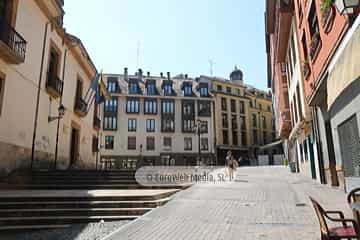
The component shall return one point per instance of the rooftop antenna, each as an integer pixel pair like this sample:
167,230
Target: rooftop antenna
137,54
211,63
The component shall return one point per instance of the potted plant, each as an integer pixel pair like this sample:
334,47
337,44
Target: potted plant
327,14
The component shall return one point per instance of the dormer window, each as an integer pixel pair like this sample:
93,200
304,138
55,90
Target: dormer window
187,90
113,86
204,92
133,88
167,90
150,89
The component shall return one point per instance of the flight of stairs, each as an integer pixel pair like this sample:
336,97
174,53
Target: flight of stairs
48,199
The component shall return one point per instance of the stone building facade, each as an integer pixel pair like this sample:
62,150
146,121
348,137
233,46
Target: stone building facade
151,121
42,67
243,117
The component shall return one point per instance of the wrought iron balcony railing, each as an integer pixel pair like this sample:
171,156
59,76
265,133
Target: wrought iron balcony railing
14,42
54,85
80,107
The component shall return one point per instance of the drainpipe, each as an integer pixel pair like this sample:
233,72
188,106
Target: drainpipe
38,96
60,102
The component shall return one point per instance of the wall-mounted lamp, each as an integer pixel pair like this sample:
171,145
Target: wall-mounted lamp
61,111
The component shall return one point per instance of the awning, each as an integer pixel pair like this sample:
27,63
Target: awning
271,145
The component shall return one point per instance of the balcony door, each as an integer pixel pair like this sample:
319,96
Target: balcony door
74,146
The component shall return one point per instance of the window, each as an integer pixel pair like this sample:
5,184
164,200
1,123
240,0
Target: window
150,125
233,105
204,127
263,118
219,88
110,123
235,137
132,105
132,125
269,108
167,90
54,62
204,92
150,143
299,102
79,94
243,139
204,143
168,116
224,120
254,120
95,144
188,108
223,104
188,125
150,106
167,107
111,106
151,88
131,143
167,142
225,137
188,143
255,137
2,90
265,137
112,85
286,99
242,107
234,124
260,106
313,21
238,91
228,89
109,142
204,108
242,123
188,90
133,88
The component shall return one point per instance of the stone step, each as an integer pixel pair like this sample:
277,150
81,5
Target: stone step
48,212
32,227
84,204
50,186
54,220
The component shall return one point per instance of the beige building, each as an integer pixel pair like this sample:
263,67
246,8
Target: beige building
243,116
42,68
152,120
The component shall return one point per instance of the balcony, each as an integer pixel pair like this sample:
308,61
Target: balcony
12,44
284,124
315,46
97,123
54,85
80,107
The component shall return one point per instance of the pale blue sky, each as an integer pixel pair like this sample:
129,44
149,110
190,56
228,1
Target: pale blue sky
179,36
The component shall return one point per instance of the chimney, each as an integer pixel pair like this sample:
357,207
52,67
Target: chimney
126,74
186,76
140,73
168,75
161,75
148,74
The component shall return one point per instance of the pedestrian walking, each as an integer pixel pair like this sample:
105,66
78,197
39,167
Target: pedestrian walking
232,165
227,160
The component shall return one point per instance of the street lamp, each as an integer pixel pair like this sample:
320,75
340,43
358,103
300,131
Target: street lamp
197,129
61,112
346,6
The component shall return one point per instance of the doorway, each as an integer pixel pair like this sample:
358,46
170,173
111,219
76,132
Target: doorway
350,147
74,146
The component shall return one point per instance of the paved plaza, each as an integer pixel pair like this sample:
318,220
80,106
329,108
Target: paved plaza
263,203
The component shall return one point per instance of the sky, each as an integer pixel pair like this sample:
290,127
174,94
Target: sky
176,36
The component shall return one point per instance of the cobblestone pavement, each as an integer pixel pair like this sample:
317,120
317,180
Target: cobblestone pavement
263,203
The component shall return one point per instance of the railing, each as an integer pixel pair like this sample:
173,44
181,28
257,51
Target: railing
315,45
12,39
80,107
97,122
54,84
